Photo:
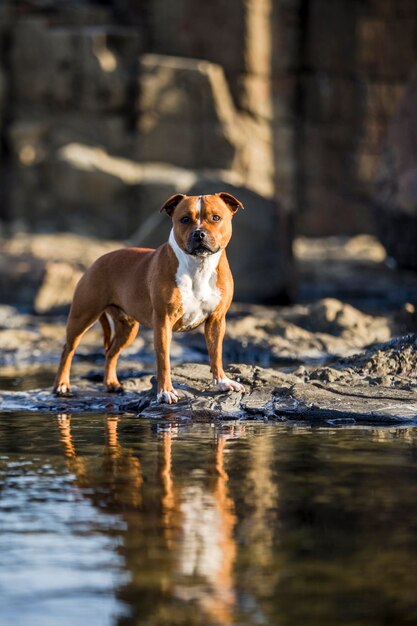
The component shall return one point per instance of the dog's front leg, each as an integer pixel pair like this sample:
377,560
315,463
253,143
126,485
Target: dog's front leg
214,331
162,342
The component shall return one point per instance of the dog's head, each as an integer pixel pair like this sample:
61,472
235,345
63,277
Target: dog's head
202,224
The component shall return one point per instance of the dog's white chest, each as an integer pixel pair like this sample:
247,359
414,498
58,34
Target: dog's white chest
199,295
196,280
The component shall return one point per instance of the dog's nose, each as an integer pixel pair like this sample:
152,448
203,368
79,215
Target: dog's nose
199,235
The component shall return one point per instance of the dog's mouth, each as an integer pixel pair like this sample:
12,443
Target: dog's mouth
201,249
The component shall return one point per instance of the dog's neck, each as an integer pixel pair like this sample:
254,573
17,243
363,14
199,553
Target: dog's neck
196,279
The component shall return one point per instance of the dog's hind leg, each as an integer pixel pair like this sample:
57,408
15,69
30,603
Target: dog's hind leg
126,328
77,325
107,331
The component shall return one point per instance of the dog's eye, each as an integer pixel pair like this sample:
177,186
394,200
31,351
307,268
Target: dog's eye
216,218
185,220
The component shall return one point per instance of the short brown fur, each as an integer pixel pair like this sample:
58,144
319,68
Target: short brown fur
138,286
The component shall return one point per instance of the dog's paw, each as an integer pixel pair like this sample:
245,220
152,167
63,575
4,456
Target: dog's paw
115,388
167,397
227,384
63,390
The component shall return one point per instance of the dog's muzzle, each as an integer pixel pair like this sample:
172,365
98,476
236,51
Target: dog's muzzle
201,243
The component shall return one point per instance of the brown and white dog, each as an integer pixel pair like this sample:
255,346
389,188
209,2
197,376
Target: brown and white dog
177,287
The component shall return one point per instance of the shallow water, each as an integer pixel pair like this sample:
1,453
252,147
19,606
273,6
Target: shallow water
122,521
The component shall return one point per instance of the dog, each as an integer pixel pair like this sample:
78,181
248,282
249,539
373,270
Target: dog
177,287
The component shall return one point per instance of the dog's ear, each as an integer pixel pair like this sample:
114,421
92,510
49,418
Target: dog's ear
233,203
170,205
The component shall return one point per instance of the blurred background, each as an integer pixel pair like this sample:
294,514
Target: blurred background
303,109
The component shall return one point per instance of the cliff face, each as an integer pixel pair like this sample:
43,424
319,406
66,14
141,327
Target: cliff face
107,108
200,101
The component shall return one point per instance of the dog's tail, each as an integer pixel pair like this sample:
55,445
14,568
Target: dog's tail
107,331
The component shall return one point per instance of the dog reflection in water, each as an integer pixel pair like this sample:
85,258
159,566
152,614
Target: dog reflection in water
197,518
120,471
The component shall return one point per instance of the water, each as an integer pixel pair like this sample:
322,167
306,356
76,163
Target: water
108,520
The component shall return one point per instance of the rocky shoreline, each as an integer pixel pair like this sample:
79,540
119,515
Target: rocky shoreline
306,363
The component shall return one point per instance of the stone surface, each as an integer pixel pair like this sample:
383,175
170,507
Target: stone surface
186,114
356,396
354,269
396,185
98,194
336,363
310,105
89,69
41,272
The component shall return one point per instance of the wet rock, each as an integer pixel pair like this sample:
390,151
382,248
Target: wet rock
347,404
268,394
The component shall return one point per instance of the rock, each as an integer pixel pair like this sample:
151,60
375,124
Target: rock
34,138
41,272
107,67
185,114
396,358
377,385
20,278
122,197
269,394
353,269
303,332
57,287
338,319
117,195
88,68
242,45
396,184
41,61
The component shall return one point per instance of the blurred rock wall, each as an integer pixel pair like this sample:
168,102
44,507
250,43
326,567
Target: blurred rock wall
106,109
173,84
347,63
119,104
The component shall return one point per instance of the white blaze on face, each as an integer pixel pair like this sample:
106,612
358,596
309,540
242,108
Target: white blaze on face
199,205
